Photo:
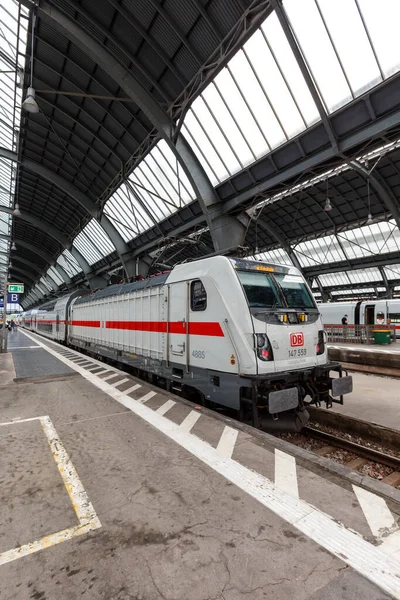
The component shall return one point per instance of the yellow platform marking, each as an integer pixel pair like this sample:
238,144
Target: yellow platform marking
87,518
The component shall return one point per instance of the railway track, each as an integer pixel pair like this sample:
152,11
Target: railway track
333,442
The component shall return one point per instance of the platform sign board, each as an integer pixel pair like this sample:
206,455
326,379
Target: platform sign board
11,299
16,288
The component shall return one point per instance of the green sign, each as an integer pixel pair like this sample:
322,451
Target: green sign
16,288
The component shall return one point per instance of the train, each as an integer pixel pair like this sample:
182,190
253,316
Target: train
227,332
370,312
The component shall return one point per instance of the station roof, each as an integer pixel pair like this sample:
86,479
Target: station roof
276,120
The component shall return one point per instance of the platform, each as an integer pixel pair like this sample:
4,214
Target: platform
112,489
368,357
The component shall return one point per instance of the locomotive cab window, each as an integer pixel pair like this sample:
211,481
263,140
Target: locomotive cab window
198,296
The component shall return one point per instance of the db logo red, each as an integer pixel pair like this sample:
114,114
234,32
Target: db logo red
297,339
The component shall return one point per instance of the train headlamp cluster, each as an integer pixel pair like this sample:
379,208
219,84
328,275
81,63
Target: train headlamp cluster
292,318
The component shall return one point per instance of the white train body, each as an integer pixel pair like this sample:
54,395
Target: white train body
241,333
370,312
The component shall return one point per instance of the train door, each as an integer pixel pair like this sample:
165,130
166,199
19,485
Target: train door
178,351
370,314
381,312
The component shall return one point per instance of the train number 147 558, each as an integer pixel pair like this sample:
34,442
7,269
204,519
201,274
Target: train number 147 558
295,352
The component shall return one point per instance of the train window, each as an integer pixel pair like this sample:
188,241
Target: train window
260,289
198,296
295,291
394,317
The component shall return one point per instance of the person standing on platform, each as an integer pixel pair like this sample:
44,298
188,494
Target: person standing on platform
345,324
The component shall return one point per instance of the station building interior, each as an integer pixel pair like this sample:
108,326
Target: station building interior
136,138
199,433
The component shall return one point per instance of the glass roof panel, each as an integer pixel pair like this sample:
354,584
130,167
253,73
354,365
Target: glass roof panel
46,284
378,238
157,188
318,51
319,251
54,274
256,103
382,22
93,243
364,275
392,271
353,292
12,50
345,26
334,279
69,263
279,256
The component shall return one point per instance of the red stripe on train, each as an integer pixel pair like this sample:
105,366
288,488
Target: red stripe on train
84,323
198,328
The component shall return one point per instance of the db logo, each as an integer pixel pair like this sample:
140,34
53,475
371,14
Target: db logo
297,339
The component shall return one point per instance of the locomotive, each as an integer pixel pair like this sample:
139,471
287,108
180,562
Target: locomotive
232,332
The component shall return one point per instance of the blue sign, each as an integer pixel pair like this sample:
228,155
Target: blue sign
11,299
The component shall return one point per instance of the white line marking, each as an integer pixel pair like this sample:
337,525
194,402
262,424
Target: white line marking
132,389
391,545
11,348
144,398
121,381
165,407
376,511
113,374
285,473
347,545
93,367
88,520
100,372
227,441
190,420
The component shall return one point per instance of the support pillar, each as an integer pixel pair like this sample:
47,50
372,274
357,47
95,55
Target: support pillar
228,232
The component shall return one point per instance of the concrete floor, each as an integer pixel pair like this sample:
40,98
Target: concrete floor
172,527
375,399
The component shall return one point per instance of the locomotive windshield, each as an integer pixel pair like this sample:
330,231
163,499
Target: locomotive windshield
264,290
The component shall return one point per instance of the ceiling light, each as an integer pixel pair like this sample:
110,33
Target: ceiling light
16,211
30,104
13,247
369,220
328,205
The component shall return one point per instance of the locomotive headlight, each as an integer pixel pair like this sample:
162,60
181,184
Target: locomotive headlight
264,348
260,340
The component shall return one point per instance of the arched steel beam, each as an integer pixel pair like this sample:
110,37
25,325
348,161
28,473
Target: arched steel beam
192,167
380,188
28,263
28,276
35,268
275,232
59,237
79,197
47,257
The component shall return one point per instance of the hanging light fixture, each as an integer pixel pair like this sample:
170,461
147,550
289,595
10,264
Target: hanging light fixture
30,104
369,220
16,211
13,246
328,206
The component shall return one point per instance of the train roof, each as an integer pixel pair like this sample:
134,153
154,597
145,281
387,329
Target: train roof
124,288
